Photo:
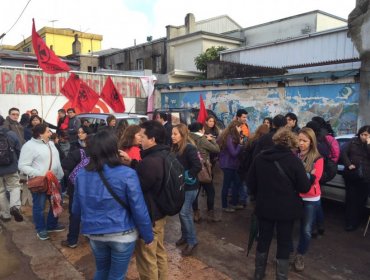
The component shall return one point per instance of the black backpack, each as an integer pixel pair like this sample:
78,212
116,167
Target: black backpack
330,167
172,194
6,150
330,170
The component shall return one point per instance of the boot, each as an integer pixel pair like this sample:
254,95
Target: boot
260,265
282,268
196,216
211,216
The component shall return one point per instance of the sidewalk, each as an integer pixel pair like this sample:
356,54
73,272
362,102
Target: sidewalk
48,260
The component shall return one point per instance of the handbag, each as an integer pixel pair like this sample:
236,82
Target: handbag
38,184
205,174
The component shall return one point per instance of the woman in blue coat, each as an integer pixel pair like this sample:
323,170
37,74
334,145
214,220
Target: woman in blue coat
111,228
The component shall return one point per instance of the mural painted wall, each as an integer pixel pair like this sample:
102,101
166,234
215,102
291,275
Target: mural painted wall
335,102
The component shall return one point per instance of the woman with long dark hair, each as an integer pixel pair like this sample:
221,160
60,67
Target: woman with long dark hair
356,159
231,145
112,228
187,154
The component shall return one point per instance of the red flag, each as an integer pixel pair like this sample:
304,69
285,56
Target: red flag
112,97
202,115
71,87
86,98
79,93
46,58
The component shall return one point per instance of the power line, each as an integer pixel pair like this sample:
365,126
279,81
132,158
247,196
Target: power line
2,35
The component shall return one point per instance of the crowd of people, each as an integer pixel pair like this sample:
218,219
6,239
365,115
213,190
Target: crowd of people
113,178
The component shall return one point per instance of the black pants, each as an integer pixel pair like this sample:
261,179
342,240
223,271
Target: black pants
356,197
210,192
284,231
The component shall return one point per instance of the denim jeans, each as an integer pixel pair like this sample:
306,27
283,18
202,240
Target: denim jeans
39,201
310,209
231,179
111,258
186,218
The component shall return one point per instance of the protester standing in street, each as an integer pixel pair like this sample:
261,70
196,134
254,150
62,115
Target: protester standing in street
111,227
9,177
206,145
231,145
314,166
78,155
187,154
356,159
277,201
35,158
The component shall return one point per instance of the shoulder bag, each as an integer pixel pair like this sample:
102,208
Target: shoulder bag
38,184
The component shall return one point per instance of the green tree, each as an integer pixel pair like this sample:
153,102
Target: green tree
210,54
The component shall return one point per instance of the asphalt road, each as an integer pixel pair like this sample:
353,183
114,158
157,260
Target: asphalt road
221,253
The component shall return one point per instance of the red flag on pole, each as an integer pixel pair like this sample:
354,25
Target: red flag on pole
202,115
71,87
80,94
112,97
46,58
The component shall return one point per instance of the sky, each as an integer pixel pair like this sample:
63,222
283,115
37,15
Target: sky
122,22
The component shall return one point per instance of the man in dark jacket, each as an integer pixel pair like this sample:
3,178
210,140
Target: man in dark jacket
73,125
163,119
11,123
9,179
151,261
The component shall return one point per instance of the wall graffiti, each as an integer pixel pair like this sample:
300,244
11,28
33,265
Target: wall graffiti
335,102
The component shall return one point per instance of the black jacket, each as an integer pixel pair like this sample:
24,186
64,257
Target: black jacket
16,146
150,172
191,163
276,197
357,153
168,127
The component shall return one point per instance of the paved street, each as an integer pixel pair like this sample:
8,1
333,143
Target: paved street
221,253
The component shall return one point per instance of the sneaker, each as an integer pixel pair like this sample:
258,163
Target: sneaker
5,220
299,263
188,250
237,207
14,211
180,242
228,210
58,228
43,235
65,243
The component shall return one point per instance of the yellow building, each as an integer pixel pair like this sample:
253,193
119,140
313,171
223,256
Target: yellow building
60,40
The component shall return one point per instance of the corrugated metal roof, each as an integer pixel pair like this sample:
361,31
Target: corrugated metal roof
321,47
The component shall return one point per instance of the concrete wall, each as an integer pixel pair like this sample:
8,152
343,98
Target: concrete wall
335,102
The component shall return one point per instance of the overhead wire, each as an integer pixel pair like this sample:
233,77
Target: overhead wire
2,35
